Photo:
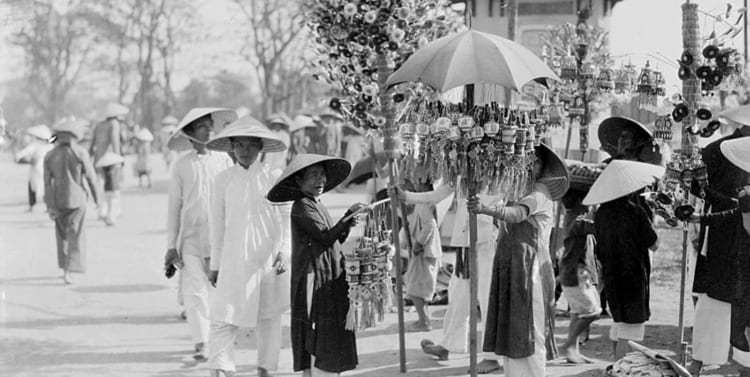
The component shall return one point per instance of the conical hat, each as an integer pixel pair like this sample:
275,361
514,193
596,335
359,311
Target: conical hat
279,118
739,114
301,122
76,127
286,189
109,159
144,134
555,174
40,132
737,151
221,117
169,121
621,178
610,129
249,127
115,110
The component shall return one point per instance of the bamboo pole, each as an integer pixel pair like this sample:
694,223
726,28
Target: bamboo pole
690,93
473,278
390,140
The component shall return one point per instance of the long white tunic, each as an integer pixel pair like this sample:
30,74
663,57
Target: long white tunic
34,153
247,232
189,201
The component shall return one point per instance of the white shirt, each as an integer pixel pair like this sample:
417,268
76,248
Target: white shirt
189,201
247,232
35,152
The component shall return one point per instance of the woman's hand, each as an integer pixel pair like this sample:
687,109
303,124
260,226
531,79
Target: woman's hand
474,205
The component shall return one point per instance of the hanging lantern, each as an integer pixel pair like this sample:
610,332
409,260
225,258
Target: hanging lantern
645,81
604,81
491,129
568,68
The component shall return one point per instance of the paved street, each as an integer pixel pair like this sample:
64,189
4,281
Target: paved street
121,318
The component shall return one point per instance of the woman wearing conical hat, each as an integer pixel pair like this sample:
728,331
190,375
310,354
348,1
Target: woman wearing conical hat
33,154
321,344
520,320
626,139
142,167
67,172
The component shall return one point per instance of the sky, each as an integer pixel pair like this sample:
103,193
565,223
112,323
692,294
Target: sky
638,28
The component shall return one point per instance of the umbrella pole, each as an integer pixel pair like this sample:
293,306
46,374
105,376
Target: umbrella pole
389,141
473,278
683,273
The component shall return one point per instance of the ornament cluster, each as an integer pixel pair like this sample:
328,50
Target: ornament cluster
368,272
350,35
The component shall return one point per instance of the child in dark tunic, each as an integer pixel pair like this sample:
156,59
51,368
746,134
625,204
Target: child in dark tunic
321,345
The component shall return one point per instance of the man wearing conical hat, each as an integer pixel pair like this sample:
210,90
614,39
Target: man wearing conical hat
250,249
188,210
714,278
33,154
107,138
67,171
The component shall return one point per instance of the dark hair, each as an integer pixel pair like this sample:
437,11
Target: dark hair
573,198
190,128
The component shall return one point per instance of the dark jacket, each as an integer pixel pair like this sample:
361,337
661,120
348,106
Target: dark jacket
65,168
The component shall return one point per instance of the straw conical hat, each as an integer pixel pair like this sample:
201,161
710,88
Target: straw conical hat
169,121
221,117
737,151
555,174
115,110
246,126
739,114
286,189
302,121
109,159
144,134
621,178
40,132
610,129
76,127
279,118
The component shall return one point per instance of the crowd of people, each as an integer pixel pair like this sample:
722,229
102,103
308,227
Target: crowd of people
244,260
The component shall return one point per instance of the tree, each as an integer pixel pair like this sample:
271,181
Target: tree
275,41
57,45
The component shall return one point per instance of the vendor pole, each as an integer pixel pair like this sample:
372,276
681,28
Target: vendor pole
473,263
391,148
691,91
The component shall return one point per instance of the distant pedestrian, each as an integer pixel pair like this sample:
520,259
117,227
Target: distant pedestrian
321,344
107,137
279,124
110,170
168,127
250,250
191,183
33,154
66,167
142,167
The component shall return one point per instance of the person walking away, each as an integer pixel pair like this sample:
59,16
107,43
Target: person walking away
67,171
424,259
33,154
714,273
110,168
578,270
168,127
321,344
249,250
107,137
331,123
188,212
520,318
142,167
624,235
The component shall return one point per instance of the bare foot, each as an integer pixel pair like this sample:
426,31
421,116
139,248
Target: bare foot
200,353
487,366
431,348
419,326
67,278
263,372
695,368
574,357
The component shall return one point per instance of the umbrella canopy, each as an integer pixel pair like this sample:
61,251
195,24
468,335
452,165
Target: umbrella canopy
286,189
737,151
620,178
246,126
473,57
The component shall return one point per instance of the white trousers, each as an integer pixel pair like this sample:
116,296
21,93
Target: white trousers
313,371
711,333
195,287
110,208
534,365
456,321
223,336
